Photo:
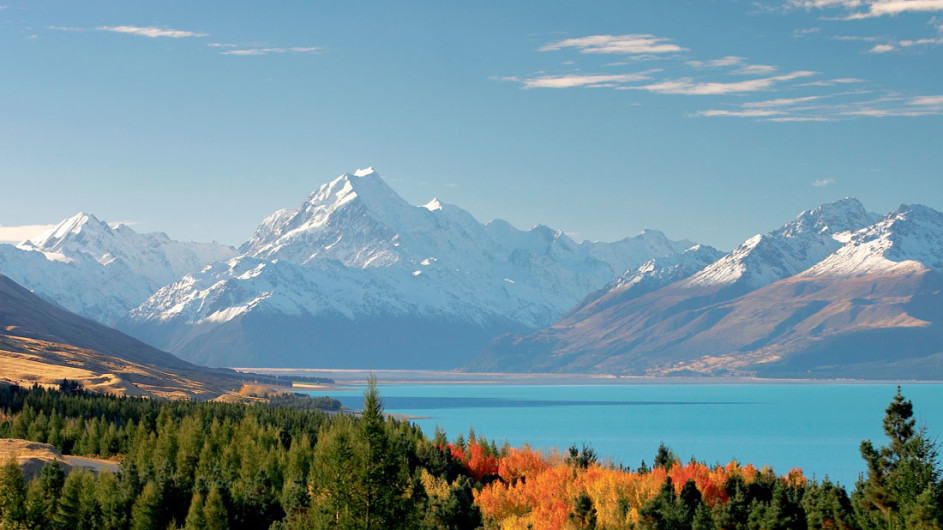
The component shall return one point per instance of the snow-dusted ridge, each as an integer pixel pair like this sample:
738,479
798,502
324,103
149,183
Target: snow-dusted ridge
355,250
102,271
794,247
909,239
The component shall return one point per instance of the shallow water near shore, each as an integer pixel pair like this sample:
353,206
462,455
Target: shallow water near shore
817,427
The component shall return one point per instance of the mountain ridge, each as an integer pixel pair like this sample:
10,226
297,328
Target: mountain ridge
787,320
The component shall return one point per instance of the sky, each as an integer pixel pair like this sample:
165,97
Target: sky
710,120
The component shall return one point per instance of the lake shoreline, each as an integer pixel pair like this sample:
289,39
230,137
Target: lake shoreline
356,377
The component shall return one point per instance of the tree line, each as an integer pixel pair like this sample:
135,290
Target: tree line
196,466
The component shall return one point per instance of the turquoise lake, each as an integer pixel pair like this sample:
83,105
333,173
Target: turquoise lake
817,427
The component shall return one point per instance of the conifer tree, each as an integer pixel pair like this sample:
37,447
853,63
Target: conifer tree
145,513
899,473
195,519
12,496
214,512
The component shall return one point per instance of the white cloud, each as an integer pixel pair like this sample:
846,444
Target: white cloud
872,8
832,82
854,38
19,234
66,28
730,60
798,33
881,8
755,69
823,182
782,102
689,87
927,101
921,42
885,48
786,119
578,80
221,45
733,60
753,113
151,31
822,4
268,51
633,44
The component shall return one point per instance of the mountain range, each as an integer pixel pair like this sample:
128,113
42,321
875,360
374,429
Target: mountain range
837,292
356,277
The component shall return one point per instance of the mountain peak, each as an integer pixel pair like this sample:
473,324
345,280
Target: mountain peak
56,235
844,215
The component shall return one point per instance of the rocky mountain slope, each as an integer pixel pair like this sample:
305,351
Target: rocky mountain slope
357,277
42,343
834,293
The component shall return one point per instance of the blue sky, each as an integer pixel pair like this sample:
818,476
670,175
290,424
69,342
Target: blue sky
710,120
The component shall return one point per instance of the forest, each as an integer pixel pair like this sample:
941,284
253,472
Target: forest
286,465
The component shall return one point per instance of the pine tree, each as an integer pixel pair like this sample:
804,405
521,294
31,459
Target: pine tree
195,519
12,496
384,477
899,473
214,512
145,514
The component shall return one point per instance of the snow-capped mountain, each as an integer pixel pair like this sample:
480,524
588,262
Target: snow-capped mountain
429,284
837,292
910,238
796,246
100,271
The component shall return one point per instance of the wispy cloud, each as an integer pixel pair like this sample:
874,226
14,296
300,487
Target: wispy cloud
880,8
854,38
269,51
754,113
687,86
823,182
903,44
832,82
927,101
730,60
834,107
860,9
580,80
221,45
151,31
19,234
66,28
799,33
755,69
782,102
633,44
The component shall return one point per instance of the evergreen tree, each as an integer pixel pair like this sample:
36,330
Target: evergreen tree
145,513
384,477
195,519
12,496
214,512
899,473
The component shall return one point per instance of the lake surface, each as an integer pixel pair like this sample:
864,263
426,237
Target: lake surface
817,427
